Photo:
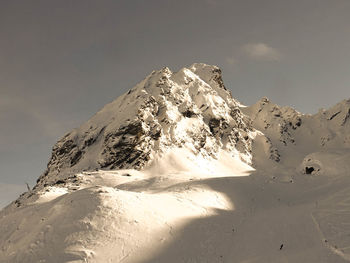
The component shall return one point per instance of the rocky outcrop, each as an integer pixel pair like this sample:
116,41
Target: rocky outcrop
274,121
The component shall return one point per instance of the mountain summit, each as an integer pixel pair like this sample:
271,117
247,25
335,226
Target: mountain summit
177,170
188,109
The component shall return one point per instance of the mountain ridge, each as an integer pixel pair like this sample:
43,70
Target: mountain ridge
177,170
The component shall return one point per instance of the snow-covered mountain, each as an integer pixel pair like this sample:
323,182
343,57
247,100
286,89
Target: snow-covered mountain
189,109
295,135
177,170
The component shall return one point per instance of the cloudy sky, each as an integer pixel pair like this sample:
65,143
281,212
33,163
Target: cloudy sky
61,61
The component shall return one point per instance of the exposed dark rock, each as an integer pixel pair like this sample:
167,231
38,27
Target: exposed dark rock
122,148
298,123
76,157
218,78
60,182
65,148
93,138
334,115
309,170
156,133
189,114
274,155
132,128
216,125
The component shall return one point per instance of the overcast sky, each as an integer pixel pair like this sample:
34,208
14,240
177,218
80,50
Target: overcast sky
61,61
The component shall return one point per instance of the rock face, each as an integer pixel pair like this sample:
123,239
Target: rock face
274,121
283,125
190,108
292,136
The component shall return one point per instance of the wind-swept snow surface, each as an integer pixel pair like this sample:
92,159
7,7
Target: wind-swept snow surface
133,216
176,170
116,216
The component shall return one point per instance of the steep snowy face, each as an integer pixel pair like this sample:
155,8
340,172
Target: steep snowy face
334,125
277,125
276,122
292,136
286,126
188,109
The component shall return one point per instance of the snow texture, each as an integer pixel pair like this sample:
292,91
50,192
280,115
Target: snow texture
176,170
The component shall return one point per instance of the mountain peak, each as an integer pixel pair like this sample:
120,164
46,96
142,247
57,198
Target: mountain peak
136,181
188,109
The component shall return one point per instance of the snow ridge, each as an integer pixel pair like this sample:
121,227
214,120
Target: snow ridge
293,136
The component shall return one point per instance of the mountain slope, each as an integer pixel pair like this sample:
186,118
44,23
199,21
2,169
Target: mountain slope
294,136
176,170
190,108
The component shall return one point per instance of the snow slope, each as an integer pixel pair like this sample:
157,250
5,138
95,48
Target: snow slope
140,216
176,170
294,136
116,216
